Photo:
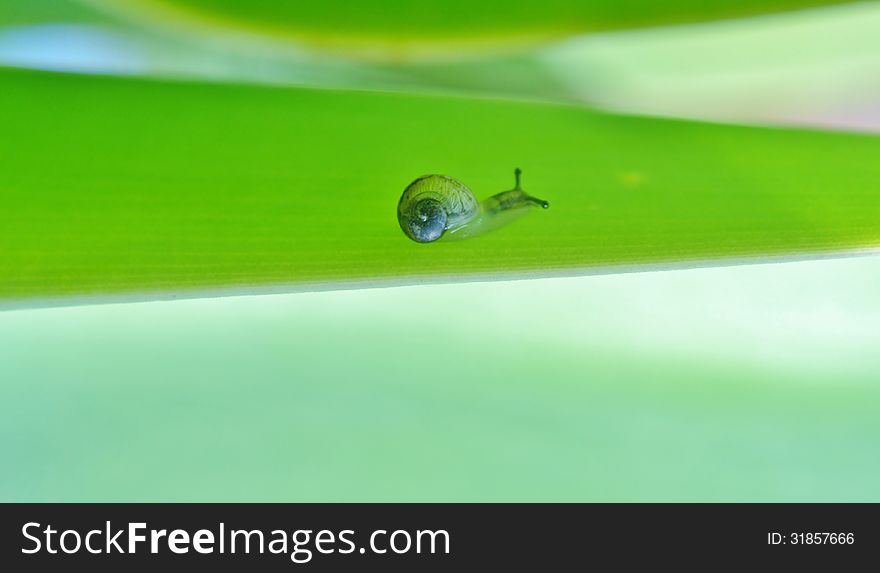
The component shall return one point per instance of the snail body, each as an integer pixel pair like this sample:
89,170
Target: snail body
434,206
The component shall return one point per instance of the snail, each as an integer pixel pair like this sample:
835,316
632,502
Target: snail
436,205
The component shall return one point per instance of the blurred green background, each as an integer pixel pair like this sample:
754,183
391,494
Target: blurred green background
751,383
734,383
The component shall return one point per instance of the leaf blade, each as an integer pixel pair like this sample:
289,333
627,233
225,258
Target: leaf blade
114,186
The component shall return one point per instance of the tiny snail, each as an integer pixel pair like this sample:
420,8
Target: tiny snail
436,205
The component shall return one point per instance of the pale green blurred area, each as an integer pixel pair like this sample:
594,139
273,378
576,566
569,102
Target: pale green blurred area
816,67
752,383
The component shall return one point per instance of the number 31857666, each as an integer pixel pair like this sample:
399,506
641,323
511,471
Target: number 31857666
825,538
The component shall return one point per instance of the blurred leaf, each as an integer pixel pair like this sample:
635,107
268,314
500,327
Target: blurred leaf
818,67
118,186
19,12
402,28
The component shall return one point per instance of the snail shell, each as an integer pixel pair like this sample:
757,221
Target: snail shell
434,204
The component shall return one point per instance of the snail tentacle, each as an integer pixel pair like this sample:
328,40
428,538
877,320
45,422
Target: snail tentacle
513,199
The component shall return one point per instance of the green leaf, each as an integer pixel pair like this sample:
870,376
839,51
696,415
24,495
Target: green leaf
116,186
397,27
19,12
